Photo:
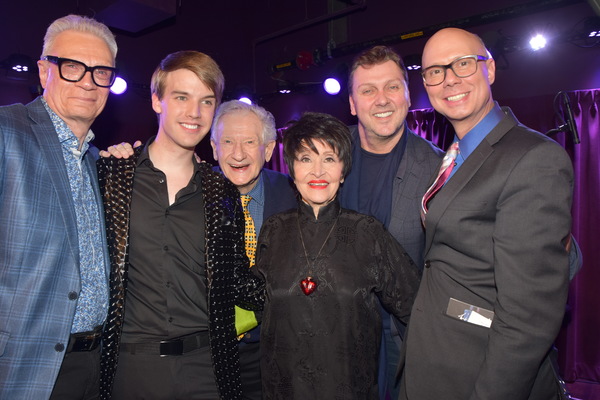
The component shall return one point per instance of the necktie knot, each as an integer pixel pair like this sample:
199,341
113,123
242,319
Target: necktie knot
452,152
245,200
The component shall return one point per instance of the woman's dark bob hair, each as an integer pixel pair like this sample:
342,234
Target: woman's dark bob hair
322,127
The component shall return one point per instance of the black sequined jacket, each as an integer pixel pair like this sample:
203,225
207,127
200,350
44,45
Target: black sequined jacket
229,281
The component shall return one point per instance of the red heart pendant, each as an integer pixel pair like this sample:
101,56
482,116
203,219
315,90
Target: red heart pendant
308,285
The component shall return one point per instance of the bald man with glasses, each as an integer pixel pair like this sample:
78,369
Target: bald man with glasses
496,276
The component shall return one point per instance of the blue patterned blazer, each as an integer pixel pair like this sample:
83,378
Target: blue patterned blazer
39,252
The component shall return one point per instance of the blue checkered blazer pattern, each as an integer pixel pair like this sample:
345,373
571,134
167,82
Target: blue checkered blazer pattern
39,253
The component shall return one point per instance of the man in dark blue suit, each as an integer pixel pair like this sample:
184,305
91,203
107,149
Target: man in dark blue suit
53,258
243,139
391,166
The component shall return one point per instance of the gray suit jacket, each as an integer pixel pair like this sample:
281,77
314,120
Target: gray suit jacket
39,251
495,239
420,162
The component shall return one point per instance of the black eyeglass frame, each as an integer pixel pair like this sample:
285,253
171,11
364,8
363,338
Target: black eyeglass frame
449,66
58,61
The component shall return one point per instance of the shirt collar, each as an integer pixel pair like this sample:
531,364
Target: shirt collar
476,135
66,137
145,157
257,193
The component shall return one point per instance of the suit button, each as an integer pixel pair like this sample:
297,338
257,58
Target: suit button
248,335
59,347
427,263
73,296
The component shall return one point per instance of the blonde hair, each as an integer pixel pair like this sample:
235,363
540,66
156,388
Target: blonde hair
205,68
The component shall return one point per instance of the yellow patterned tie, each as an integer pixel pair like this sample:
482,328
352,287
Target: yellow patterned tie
244,319
250,231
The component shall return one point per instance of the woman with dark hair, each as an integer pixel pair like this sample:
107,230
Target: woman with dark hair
327,271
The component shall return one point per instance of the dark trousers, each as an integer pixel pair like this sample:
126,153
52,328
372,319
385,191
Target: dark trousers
250,370
189,376
79,376
391,342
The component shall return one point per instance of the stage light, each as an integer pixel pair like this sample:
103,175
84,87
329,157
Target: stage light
20,63
284,87
412,62
240,92
592,27
119,87
537,42
332,86
18,66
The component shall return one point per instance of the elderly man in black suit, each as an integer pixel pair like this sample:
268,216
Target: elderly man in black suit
243,139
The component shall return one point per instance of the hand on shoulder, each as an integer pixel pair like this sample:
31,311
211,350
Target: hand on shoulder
121,150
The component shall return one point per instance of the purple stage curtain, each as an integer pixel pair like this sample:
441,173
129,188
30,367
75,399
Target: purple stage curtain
432,126
579,340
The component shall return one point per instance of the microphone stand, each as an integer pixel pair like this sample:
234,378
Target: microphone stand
568,124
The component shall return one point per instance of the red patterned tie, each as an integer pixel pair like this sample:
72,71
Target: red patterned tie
446,168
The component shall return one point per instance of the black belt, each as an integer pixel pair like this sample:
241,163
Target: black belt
172,347
85,341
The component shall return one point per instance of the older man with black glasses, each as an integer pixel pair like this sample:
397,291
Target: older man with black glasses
53,258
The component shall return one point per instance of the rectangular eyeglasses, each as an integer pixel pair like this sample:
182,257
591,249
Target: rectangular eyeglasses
74,71
462,67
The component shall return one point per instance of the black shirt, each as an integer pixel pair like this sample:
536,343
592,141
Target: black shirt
326,345
377,174
166,292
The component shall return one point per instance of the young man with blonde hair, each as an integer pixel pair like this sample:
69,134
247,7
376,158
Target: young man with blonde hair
177,251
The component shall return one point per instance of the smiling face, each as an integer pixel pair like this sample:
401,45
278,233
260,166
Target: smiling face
318,176
380,100
464,101
185,111
76,103
239,148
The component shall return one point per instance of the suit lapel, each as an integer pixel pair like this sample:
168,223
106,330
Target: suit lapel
268,196
406,180
464,174
52,157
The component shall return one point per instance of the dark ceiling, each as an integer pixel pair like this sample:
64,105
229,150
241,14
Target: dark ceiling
253,42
